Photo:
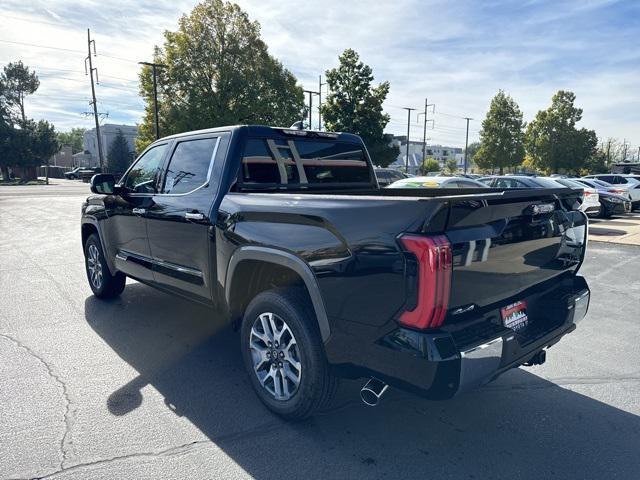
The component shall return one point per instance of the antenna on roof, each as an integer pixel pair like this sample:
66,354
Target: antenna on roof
297,126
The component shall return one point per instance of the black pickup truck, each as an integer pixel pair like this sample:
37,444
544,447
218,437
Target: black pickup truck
326,275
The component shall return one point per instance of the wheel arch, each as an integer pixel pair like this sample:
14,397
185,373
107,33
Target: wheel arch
90,226
250,270
86,230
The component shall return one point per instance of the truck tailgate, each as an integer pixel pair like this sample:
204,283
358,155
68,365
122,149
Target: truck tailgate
504,246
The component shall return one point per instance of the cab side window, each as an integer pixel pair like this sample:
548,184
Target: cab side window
189,165
144,173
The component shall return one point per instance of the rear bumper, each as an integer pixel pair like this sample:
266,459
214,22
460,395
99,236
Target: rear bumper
485,362
592,210
443,364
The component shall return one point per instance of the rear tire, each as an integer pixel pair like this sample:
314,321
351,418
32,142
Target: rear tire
102,283
284,355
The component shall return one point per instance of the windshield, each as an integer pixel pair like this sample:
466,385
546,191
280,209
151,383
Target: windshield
547,182
569,183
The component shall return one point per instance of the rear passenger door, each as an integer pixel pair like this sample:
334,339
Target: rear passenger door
179,222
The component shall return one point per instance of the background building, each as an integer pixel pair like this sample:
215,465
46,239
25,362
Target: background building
107,133
439,152
84,159
64,157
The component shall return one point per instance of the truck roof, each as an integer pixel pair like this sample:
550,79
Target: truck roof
268,131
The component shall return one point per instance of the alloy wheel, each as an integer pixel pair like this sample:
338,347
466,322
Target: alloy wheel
275,355
95,267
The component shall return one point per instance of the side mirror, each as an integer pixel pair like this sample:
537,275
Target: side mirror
103,184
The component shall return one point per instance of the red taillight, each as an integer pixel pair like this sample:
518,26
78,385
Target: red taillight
434,280
587,193
617,191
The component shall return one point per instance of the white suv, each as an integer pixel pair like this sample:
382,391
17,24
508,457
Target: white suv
629,183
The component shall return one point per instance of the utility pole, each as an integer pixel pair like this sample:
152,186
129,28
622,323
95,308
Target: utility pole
424,134
93,93
320,84
311,93
406,162
466,144
154,67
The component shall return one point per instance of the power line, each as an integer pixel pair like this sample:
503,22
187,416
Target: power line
49,47
424,134
41,46
29,20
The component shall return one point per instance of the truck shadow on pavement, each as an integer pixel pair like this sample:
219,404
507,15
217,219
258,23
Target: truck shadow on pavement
520,426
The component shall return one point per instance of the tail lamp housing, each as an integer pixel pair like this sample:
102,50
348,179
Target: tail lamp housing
434,259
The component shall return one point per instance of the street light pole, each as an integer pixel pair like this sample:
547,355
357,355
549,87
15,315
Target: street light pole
466,144
154,67
320,84
406,162
311,93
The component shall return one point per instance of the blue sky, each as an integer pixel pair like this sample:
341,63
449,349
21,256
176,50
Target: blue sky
458,54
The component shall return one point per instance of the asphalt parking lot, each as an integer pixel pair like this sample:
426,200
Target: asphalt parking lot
150,386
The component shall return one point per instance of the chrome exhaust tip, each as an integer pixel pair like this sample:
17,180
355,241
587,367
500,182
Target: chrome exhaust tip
372,391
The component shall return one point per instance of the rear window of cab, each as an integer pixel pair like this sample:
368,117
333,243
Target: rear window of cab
304,161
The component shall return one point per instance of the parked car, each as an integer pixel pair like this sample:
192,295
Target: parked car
437,182
610,203
326,275
628,183
72,174
518,181
82,173
590,198
386,176
86,173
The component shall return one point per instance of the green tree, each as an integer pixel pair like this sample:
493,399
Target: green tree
355,106
18,81
218,72
501,136
6,129
32,145
119,155
554,143
429,165
24,143
451,166
74,138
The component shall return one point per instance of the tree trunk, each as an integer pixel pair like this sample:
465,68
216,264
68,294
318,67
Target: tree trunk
5,173
26,173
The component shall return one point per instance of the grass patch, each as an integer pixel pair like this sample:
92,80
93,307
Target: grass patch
18,182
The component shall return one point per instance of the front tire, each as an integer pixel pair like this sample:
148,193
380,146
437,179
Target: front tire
102,283
284,354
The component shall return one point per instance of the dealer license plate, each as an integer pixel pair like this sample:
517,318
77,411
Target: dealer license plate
514,316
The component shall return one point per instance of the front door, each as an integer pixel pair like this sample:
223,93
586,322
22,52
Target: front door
181,236
127,232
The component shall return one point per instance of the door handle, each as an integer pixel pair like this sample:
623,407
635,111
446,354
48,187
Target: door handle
139,211
193,216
